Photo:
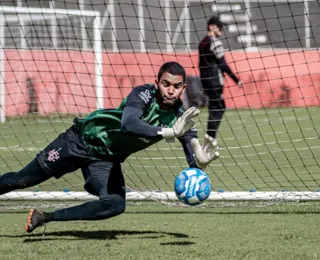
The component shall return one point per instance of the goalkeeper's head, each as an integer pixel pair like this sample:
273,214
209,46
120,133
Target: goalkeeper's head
170,84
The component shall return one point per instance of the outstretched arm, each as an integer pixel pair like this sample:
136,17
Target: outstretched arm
131,123
137,103
218,50
226,69
185,141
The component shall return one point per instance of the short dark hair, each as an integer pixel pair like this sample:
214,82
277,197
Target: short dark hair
173,68
215,20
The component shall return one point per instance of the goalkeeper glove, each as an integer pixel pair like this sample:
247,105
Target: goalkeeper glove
206,153
183,124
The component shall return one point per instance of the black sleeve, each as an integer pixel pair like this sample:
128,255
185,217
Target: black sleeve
226,69
131,123
185,140
137,102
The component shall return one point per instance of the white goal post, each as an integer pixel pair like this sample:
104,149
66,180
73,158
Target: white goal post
23,14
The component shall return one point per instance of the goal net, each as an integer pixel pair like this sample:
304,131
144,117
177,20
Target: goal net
68,59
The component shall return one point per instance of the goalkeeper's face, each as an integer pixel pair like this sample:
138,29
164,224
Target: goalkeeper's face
170,88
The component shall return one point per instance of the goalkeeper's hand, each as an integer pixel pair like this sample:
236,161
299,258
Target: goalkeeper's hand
206,153
183,124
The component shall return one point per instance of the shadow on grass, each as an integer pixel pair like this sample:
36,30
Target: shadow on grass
97,235
178,243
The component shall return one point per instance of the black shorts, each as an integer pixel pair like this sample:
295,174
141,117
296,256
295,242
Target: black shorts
67,154
64,154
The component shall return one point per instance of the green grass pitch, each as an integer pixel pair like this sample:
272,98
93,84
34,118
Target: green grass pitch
150,231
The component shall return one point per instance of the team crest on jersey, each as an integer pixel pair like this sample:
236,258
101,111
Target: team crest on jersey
145,96
53,155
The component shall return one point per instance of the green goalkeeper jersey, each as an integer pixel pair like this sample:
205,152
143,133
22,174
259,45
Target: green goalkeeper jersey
101,130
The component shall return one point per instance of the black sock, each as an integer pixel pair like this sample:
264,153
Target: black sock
48,216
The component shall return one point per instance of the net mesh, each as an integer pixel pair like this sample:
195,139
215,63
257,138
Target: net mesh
269,136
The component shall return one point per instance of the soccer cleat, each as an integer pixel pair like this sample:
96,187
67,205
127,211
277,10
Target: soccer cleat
35,219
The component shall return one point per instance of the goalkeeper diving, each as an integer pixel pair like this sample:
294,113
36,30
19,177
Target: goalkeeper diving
99,143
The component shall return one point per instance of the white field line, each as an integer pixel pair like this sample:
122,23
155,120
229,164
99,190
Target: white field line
20,149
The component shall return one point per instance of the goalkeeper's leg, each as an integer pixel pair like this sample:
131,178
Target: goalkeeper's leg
64,154
29,176
103,179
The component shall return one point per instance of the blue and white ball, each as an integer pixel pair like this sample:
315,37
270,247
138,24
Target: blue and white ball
192,186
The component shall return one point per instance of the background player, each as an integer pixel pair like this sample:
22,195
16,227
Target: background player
100,142
212,66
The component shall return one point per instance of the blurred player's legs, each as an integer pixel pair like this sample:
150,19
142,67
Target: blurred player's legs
216,108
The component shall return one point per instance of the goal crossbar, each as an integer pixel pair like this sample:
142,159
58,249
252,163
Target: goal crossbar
34,10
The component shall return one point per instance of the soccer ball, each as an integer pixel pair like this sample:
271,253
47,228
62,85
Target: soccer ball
192,186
